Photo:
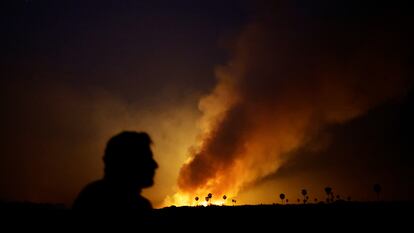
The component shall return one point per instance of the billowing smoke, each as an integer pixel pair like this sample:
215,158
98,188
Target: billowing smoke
292,74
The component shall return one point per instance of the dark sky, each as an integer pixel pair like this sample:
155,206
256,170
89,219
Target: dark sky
96,42
73,73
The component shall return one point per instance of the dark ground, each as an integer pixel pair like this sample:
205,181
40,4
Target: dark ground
349,216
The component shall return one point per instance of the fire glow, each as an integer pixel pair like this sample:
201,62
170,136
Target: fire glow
185,199
270,102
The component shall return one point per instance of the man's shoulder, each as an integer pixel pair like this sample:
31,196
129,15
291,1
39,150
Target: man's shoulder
93,187
97,184
90,194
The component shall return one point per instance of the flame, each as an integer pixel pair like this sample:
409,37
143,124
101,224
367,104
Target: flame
186,199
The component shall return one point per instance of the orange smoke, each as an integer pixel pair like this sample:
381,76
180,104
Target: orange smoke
283,85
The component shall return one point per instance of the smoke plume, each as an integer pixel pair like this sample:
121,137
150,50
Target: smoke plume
291,74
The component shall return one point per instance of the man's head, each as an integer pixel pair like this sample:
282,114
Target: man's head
128,159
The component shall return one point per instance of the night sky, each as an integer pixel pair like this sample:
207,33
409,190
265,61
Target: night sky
283,95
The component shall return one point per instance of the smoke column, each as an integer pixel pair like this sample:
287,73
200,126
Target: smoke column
291,74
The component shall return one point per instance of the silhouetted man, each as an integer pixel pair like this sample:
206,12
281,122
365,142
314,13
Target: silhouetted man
129,167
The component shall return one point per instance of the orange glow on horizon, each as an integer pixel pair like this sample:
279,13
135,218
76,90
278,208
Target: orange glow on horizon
183,199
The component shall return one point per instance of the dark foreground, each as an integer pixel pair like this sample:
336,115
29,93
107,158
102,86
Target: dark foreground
343,215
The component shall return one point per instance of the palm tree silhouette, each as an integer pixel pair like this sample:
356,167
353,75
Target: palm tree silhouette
210,196
304,192
328,191
196,199
233,201
377,190
282,197
224,197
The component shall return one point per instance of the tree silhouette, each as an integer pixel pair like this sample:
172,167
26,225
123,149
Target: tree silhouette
209,196
377,190
282,197
304,192
233,201
298,200
328,191
196,199
224,197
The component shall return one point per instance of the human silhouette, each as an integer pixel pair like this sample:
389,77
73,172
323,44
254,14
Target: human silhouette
129,167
